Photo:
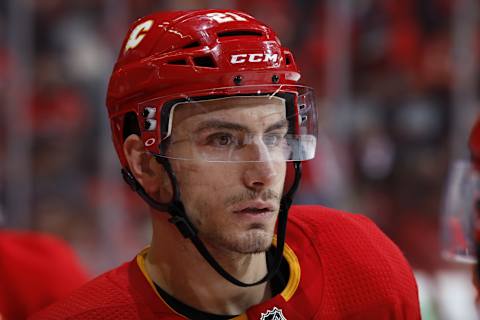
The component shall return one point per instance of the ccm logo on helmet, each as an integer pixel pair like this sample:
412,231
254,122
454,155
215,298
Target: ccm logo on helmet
253,57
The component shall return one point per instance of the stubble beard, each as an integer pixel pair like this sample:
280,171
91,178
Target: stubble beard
253,241
257,238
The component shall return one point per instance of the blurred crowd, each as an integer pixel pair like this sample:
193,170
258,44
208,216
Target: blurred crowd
383,71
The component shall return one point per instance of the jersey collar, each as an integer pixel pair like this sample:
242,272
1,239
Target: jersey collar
286,294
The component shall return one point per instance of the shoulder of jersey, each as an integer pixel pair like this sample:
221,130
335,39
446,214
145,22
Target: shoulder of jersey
361,267
105,297
315,218
122,293
330,229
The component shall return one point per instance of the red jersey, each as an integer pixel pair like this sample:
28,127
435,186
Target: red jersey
35,271
341,267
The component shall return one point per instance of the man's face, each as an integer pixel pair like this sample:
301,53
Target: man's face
232,184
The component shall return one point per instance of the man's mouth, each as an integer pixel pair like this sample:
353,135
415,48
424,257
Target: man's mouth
254,207
254,210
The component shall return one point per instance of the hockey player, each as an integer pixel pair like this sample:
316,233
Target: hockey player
211,127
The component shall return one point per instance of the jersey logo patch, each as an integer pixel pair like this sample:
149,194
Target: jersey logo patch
274,314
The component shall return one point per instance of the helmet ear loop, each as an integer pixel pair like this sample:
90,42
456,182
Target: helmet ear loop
175,207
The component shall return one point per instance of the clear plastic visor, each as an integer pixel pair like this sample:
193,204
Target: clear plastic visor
259,127
460,213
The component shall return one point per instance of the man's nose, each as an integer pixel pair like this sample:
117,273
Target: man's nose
260,169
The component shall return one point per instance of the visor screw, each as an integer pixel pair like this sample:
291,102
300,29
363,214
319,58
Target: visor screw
275,78
237,80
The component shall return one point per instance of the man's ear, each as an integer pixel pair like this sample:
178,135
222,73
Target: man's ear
148,172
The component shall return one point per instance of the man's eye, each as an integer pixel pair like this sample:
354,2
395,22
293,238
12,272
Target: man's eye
221,140
273,140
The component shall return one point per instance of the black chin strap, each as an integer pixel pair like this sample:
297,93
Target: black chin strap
179,218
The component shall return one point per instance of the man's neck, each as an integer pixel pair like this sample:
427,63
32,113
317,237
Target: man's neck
175,265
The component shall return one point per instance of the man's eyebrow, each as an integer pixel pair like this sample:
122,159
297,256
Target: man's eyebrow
278,125
218,124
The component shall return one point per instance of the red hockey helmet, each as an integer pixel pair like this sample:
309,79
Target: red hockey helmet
168,58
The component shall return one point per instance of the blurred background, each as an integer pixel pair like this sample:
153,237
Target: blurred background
397,83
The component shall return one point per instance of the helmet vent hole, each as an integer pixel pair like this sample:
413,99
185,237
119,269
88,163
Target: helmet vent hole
130,125
240,33
288,59
193,44
181,62
204,61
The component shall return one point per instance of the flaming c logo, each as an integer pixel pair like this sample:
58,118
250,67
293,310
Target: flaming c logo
137,35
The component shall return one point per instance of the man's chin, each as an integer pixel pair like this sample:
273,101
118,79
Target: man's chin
253,241
250,241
